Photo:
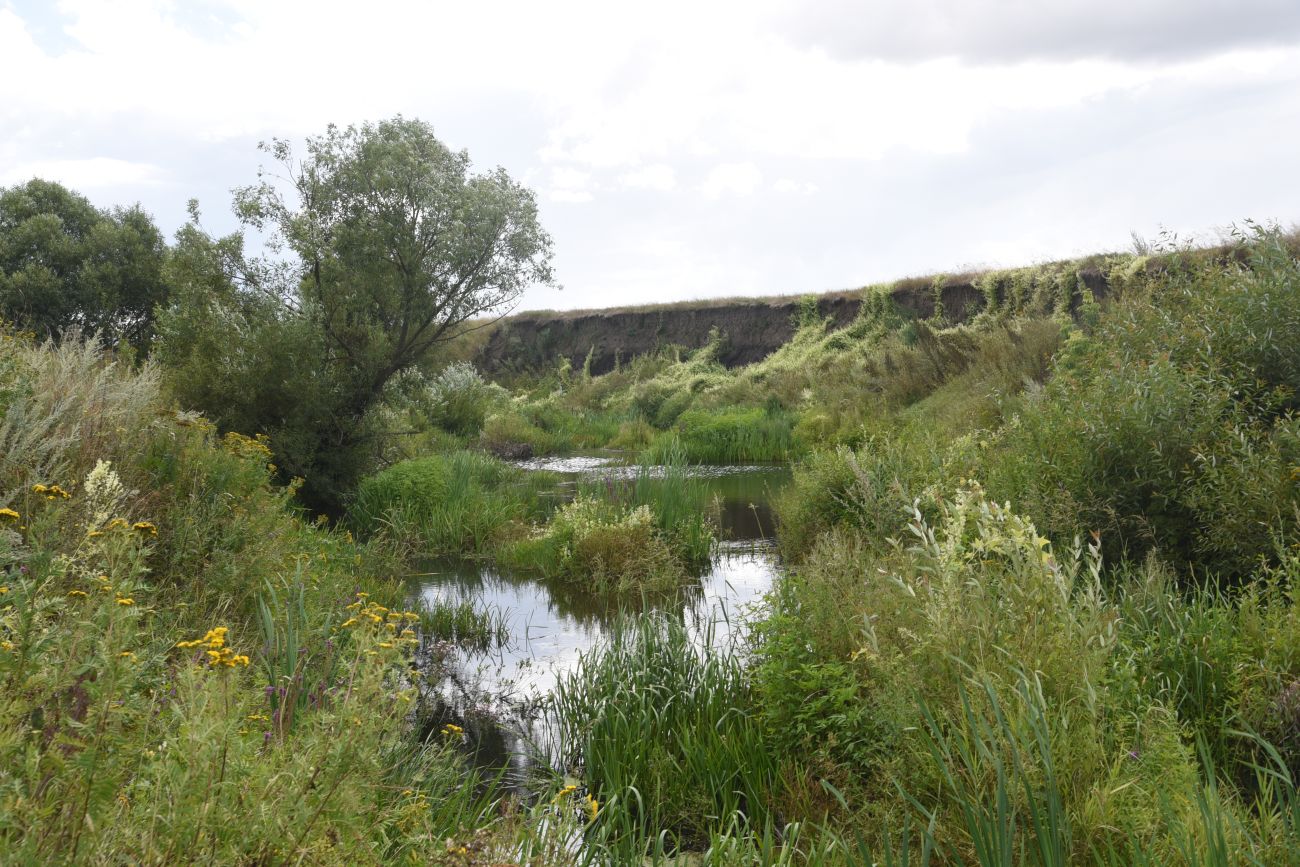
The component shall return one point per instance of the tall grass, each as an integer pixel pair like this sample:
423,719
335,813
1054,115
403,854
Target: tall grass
730,436
465,624
656,721
188,671
455,504
678,499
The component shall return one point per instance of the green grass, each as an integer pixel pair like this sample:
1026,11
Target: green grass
651,533
659,728
465,624
460,503
179,679
730,436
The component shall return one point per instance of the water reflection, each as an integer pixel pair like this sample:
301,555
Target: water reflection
495,695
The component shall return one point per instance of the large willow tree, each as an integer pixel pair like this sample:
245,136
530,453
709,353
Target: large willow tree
381,242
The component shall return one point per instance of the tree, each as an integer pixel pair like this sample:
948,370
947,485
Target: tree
65,264
383,244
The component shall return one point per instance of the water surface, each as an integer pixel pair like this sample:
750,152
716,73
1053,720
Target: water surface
495,695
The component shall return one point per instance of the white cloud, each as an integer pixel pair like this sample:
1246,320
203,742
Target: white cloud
658,177
570,185
802,141
87,174
786,185
740,179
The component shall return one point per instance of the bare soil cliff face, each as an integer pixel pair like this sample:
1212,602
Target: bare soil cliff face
752,328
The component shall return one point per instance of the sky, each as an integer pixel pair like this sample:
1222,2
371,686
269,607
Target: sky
696,149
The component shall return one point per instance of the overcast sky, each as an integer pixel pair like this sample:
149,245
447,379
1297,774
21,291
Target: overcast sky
692,149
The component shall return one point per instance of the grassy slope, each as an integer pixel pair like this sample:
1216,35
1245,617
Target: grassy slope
1104,670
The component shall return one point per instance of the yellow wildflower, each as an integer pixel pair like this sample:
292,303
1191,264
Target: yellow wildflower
4,589
127,654
77,594
39,489
593,807
145,527
9,514
125,601
387,645
452,730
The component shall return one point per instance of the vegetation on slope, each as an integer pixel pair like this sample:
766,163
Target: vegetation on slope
1039,601
190,671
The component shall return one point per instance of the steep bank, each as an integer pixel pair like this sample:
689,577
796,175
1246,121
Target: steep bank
754,328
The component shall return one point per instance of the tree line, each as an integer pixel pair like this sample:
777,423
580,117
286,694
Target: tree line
379,242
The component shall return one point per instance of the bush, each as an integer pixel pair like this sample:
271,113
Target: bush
604,546
1169,428
144,716
950,667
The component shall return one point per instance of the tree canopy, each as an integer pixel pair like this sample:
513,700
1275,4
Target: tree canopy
66,264
382,243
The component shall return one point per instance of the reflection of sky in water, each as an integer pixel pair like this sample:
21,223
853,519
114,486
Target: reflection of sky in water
548,632
551,627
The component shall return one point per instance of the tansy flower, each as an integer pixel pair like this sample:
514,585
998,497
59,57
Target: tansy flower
127,654
77,594
145,527
125,600
39,489
451,730
386,644
4,589
9,514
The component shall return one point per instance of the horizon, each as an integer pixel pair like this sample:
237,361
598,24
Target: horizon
750,150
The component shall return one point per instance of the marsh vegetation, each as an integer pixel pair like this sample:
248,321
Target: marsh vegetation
1025,593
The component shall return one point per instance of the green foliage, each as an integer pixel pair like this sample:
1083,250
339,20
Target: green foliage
454,504
603,546
731,436
188,670
647,533
657,724
373,292
1169,428
66,265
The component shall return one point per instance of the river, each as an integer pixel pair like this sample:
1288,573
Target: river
496,695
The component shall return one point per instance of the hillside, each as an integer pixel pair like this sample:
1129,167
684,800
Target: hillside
753,328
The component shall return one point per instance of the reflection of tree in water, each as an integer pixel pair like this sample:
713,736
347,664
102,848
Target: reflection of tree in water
603,609
473,580
487,741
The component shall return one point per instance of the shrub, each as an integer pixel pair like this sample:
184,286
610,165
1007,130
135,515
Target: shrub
601,545
144,717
